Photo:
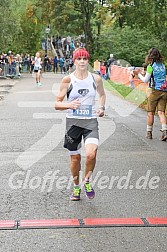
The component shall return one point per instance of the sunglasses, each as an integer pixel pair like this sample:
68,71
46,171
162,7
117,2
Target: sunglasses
79,58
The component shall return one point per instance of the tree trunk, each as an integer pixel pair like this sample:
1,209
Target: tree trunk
87,10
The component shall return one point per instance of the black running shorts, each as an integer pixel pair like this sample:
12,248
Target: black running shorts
76,129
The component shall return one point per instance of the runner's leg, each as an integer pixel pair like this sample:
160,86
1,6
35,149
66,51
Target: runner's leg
91,151
75,166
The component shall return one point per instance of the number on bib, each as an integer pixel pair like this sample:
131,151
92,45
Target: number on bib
84,110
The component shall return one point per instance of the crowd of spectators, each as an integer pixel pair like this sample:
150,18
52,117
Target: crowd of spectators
66,44
62,62
103,67
14,64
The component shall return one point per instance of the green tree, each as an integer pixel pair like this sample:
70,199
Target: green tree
31,34
10,25
71,16
149,14
118,26
127,44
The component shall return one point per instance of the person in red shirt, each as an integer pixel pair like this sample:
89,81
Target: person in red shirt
103,70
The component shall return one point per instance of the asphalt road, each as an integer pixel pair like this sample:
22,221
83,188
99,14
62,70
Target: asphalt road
130,178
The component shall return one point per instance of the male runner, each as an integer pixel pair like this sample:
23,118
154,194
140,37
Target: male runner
81,119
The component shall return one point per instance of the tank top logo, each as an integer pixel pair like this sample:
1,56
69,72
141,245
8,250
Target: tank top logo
83,92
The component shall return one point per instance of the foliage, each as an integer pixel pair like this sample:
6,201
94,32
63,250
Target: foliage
30,36
126,28
10,25
127,43
18,32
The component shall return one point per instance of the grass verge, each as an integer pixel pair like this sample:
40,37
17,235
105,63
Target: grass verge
135,96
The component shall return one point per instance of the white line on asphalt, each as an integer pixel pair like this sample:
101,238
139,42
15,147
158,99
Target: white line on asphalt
45,116
36,104
6,162
34,92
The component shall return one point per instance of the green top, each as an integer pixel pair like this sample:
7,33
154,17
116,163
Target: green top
149,69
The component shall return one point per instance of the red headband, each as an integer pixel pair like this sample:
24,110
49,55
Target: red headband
80,53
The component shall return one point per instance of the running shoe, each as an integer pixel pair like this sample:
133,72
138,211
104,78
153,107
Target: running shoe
90,193
164,136
39,84
76,193
149,135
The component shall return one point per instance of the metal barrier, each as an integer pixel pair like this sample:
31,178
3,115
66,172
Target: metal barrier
25,66
3,70
10,70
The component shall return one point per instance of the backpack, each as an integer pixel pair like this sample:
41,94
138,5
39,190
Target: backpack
158,77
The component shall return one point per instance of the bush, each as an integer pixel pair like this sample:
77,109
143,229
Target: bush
129,44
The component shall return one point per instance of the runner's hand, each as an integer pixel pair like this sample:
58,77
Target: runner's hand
137,71
75,104
100,112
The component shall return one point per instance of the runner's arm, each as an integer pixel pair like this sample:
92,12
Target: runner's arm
147,76
60,105
102,95
100,90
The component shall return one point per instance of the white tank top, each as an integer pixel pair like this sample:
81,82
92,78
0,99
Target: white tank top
37,62
85,92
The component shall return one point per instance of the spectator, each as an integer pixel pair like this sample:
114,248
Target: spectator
43,43
131,77
72,47
46,63
61,64
59,42
96,66
70,62
103,70
157,97
32,60
109,63
55,64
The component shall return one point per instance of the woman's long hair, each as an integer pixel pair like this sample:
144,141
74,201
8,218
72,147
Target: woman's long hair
153,55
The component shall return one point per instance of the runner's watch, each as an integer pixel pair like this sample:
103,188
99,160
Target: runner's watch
102,107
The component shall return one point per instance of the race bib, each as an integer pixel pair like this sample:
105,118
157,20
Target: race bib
84,111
